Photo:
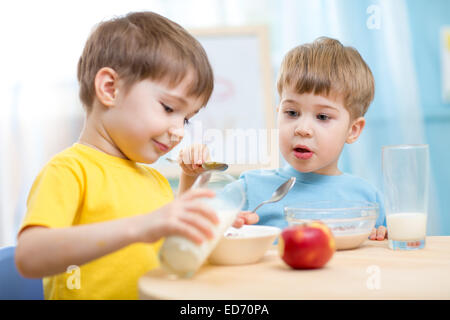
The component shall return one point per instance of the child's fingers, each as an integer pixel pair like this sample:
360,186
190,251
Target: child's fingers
204,210
192,156
199,223
188,156
192,172
184,167
197,169
195,154
185,157
181,160
185,162
373,234
245,217
199,154
187,231
381,232
192,194
238,223
248,217
252,218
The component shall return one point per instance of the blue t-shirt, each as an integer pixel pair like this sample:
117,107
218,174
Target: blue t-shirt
260,184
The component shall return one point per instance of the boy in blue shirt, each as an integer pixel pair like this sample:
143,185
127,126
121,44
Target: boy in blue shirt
325,89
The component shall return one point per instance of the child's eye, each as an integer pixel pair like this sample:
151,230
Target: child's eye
167,108
291,113
323,117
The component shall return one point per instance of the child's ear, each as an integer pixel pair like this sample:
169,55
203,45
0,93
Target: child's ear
355,129
106,83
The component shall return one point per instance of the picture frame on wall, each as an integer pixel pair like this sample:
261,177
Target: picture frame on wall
238,123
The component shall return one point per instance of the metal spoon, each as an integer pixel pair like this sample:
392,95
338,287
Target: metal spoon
209,165
279,193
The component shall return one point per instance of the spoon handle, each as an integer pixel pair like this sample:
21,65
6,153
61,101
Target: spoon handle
259,205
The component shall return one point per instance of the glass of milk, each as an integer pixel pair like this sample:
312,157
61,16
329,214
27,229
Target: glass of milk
406,175
182,257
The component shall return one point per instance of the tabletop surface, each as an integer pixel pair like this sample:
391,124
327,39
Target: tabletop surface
373,271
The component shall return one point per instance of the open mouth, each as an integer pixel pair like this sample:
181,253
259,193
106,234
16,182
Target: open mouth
302,152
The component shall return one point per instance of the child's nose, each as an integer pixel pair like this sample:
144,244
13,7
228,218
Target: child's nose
303,129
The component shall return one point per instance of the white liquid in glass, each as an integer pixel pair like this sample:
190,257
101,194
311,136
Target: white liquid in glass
406,226
182,256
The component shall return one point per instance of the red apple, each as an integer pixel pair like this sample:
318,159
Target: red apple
306,246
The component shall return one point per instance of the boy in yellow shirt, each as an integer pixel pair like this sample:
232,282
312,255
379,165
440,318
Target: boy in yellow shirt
95,217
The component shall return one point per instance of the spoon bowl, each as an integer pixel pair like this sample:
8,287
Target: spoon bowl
279,193
213,165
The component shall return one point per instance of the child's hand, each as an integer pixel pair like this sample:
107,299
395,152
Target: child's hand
245,217
192,158
185,216
378,234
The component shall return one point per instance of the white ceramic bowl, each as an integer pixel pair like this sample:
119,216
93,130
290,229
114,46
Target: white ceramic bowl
244,245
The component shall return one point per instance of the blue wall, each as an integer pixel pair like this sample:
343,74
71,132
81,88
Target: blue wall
398,114
426,20
390,108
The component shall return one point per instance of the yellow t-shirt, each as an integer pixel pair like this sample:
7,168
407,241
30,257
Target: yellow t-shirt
82,185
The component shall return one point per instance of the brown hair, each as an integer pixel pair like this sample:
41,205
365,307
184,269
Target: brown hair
325,66
144,45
